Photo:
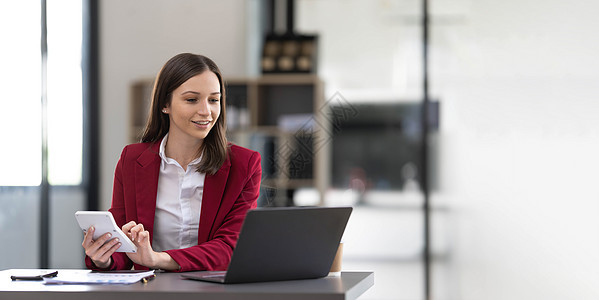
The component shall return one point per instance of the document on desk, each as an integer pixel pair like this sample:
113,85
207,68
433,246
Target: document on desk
89,277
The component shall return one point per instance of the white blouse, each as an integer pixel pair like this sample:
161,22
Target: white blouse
178,204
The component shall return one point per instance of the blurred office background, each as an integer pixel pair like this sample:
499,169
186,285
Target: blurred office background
511,147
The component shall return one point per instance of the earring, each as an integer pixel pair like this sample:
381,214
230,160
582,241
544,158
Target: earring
164,111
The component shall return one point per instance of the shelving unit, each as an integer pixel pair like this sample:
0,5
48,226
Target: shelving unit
141,98
284,117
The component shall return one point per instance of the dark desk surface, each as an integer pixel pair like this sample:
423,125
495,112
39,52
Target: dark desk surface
170,286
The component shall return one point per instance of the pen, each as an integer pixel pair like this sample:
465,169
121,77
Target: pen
38,277
147,278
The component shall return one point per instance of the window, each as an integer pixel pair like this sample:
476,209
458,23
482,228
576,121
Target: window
65,130
21,90
41,95
21,86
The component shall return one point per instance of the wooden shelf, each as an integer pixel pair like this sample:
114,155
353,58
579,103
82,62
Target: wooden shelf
141,99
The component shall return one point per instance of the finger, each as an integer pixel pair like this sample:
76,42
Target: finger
103,254
94,247
141,226
136,230
103,239
143,236
87,238
105,250
114,248
127,228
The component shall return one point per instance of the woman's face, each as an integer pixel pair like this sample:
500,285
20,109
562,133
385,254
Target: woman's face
194,107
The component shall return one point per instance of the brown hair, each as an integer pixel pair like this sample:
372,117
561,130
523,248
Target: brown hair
175,72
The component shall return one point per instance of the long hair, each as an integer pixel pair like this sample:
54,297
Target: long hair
175,72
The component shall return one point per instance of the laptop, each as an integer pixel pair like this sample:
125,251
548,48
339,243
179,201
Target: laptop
283,244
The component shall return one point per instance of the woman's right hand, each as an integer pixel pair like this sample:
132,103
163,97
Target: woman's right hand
100,250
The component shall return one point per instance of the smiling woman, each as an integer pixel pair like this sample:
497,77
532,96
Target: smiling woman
194,79
193,110
182,194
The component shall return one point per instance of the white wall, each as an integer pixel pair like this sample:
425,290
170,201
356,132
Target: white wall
368,50
138,36
517,150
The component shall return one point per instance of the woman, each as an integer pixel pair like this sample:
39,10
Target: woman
182,194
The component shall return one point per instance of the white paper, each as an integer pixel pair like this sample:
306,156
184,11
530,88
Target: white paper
89,277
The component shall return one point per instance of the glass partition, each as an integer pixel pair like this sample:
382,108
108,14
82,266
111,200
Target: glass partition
517,149
369,53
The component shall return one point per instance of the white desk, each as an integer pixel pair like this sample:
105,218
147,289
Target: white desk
170,286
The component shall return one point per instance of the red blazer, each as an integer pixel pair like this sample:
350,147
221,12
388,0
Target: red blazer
227,197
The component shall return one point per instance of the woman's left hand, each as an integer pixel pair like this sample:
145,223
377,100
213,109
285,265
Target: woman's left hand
145,255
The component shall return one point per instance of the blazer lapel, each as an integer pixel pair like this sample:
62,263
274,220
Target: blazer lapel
146,186
214,187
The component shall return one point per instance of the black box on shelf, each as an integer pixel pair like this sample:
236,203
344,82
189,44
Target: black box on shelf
289,53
